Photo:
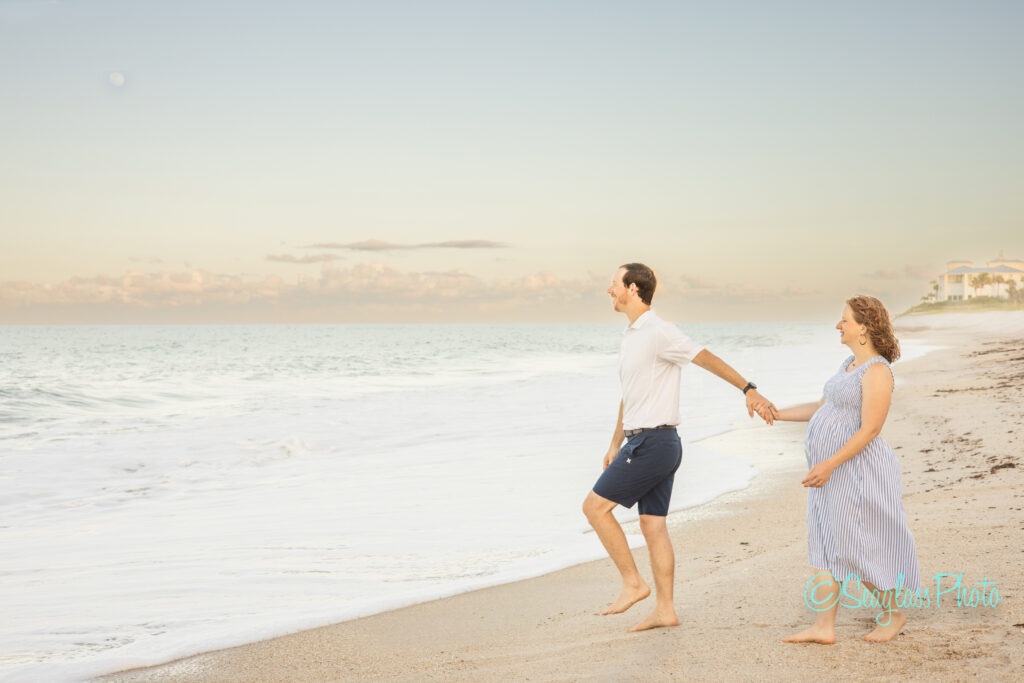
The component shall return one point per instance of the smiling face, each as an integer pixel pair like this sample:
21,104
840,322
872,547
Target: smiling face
619,292
849,329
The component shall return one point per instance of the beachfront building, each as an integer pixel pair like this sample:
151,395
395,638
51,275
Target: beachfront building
999,278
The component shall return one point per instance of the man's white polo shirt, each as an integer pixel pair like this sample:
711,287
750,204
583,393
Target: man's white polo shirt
651,358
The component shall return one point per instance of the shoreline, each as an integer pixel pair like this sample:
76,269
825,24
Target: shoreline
136,622
731,553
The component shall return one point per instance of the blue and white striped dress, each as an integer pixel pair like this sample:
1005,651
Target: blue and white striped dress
856,523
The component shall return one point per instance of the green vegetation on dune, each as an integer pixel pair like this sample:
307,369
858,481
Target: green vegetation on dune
976,305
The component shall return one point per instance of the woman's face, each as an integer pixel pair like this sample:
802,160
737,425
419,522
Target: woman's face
849,330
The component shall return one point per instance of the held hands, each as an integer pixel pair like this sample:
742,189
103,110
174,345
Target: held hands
756,403
818,475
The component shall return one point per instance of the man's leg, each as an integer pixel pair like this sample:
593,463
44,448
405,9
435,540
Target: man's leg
663,565
634,589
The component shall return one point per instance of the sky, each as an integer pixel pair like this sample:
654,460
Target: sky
272,162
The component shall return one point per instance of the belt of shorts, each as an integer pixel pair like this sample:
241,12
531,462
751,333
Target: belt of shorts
631,432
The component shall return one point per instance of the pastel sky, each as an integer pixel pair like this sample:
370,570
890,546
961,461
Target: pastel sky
458,161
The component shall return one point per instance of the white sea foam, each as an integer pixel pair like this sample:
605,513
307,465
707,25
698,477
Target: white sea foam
170,490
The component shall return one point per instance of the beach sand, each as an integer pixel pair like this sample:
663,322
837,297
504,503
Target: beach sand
957,423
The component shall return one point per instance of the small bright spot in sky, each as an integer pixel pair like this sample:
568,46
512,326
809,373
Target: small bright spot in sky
116,79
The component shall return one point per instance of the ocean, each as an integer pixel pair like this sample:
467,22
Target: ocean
168,490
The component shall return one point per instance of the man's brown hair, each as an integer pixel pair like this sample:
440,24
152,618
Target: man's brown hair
643,277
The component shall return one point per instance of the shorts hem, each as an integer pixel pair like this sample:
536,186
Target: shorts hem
617,502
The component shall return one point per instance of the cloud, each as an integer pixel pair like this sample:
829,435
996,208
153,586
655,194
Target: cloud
921,272
463,244
378,245
909,272
141,290
311,258
800,291
367,245
379,282
368,291
691,283
885,275
696,287
377,292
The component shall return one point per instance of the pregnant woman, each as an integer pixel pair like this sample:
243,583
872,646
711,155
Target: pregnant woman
856,526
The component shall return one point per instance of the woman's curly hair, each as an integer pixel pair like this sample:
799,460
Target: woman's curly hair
872,314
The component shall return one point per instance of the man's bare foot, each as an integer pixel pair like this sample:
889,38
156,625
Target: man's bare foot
658,619
815,634
629,596
885,633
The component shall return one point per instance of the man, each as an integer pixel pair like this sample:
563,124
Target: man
651,358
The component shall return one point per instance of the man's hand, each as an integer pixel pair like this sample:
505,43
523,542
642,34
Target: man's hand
609,456
762,406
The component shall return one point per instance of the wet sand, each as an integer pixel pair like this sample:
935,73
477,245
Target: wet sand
957,423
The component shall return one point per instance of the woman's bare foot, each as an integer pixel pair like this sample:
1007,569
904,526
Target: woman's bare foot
824,635
885,633
659,618
629,596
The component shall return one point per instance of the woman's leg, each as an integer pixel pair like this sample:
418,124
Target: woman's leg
890,619
823,597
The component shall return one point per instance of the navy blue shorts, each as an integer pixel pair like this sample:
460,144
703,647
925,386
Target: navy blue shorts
643,471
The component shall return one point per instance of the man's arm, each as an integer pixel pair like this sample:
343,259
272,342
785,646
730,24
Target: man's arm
616,444
754,400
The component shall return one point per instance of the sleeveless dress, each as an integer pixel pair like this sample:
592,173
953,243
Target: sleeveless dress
856,523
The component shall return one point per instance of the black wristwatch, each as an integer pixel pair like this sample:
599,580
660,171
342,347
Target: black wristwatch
750,385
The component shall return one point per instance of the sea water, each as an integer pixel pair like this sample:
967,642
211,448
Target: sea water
167,490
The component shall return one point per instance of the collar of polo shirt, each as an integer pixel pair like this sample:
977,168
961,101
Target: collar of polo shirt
639,322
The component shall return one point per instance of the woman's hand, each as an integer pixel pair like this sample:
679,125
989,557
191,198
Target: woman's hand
818,475
756,403
767,411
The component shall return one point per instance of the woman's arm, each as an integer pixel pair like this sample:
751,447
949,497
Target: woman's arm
876,395
800,413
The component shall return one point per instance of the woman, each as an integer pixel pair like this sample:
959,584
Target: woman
856,526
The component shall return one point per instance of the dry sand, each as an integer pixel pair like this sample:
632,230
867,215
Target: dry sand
957,423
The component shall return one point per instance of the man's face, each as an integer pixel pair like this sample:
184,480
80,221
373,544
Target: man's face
619,293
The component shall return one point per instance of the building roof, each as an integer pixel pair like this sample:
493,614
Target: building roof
998,269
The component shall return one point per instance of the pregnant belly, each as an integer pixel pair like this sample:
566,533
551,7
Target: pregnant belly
827,431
